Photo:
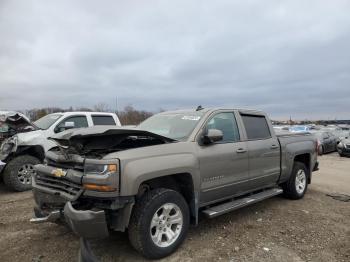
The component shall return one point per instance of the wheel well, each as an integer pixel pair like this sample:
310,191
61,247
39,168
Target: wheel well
36,151
181,183
305,159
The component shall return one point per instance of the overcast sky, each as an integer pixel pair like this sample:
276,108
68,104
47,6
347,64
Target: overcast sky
284,57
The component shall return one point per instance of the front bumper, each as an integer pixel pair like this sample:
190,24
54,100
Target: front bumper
345,150
88,224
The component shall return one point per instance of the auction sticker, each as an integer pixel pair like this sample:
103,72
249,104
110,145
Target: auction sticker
193,118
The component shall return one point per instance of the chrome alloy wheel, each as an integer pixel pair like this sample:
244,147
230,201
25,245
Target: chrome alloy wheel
166,225
300,181
25,174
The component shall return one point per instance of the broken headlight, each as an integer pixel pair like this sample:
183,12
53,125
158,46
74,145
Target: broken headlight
8,146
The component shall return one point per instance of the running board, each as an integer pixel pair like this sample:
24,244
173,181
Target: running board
218,210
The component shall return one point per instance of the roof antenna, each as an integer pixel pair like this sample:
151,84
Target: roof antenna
199,108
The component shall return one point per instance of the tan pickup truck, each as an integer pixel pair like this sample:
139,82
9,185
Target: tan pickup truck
156,179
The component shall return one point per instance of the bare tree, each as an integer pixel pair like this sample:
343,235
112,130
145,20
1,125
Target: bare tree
102,107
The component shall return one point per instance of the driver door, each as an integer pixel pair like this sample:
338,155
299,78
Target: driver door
223,164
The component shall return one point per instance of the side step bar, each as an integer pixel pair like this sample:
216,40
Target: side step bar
218,210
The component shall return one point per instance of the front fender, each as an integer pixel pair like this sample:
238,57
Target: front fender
137,171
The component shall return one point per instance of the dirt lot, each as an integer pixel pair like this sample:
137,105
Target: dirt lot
316,228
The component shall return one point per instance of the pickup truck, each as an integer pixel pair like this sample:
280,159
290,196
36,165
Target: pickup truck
157,178
25,147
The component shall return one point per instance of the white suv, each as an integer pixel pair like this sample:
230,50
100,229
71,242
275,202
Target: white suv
22,151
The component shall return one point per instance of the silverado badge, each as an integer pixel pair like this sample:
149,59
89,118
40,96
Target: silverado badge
58,172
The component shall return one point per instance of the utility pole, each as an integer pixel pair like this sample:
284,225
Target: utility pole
116,104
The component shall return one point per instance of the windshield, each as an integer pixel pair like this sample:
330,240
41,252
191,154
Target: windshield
177,126
46,121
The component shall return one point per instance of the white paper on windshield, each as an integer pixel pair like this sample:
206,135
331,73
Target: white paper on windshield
193,118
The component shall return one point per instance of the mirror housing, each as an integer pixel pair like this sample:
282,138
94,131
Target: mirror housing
67,125
212,136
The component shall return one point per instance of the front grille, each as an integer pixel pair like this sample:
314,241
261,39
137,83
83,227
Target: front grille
347,146
65,165
59,185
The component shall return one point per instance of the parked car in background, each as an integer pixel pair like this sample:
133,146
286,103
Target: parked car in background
21,151
337,131
299,129
281,128
327,142
12,123
343,147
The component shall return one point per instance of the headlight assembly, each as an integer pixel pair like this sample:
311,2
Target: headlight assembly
99,169
8,146
101,175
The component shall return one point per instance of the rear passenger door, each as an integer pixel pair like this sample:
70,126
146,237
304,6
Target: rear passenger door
263,151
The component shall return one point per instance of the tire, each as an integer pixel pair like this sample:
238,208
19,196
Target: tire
294,188
25,165
320,151
340,152
153,204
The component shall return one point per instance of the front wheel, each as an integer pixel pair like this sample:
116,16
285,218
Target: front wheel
19,171
296,186
159,223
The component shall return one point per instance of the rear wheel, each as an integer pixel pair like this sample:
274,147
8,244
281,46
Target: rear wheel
159,223
296,186
18,172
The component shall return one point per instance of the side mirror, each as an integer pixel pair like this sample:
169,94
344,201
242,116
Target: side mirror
67,125
212,136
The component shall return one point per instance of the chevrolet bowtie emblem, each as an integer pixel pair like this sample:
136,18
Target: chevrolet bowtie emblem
59,172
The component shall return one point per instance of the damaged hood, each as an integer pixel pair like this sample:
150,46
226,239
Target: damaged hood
12,123
101,140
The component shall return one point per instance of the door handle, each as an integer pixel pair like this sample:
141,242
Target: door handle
241,150
274,146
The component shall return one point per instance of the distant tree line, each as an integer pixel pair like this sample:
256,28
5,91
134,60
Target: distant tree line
128,116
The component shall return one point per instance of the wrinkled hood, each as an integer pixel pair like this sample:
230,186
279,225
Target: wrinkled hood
101,140
12,123
30,136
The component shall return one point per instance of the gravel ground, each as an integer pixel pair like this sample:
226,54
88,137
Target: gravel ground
316,228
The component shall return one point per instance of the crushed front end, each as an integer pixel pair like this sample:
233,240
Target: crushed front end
82,192
80,184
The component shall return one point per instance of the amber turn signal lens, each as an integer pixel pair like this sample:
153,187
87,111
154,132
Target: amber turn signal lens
99,188
112,168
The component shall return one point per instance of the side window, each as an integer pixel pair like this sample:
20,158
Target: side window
226,122
103,120
256,127
72,122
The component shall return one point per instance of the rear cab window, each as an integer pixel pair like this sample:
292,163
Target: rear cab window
98,120
256,127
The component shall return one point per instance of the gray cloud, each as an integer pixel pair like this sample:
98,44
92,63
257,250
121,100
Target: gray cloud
288,58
